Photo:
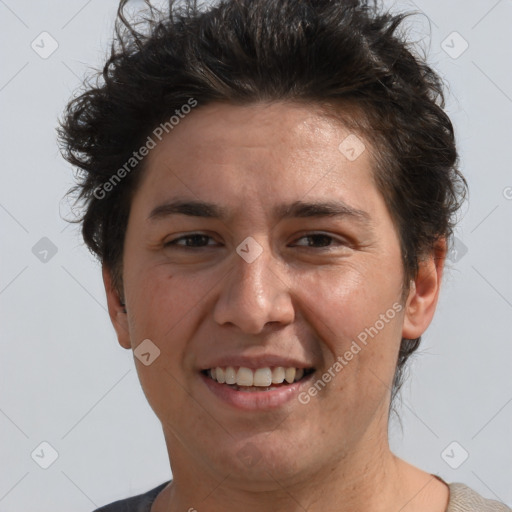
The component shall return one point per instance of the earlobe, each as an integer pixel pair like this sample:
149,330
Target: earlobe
116,309
424,293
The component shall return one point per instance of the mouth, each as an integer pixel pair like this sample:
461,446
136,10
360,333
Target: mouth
259,388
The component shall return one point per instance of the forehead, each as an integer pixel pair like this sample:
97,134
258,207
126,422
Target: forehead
280,143
283,126
256,166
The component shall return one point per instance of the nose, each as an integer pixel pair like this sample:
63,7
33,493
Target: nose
254,294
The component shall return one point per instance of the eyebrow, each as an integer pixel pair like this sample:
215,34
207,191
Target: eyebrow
297,209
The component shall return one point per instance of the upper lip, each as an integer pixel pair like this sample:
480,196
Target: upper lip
256,362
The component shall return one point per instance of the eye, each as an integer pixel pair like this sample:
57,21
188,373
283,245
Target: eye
196,240
199,240
320,240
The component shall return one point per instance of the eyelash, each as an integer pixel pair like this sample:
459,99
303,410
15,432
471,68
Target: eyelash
194,235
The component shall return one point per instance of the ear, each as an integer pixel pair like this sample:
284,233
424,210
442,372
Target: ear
424,293
116,310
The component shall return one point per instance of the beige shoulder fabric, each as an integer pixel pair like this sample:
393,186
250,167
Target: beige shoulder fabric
465,499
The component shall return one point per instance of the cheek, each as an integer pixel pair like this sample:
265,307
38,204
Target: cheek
357,315
163,301
345,301
164,311
166,308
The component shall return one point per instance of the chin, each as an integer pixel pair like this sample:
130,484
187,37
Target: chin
262,462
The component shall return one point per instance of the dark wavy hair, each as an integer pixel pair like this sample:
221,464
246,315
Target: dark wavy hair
348,57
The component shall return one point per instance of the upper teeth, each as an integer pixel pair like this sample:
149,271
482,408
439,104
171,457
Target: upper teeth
263,377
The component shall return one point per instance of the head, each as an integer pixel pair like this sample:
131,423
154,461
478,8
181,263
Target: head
257,107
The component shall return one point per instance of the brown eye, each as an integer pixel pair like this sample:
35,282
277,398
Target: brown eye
193,241
319,240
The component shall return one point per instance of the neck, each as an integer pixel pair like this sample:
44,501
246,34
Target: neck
369,478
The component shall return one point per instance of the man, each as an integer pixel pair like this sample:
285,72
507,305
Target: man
271,188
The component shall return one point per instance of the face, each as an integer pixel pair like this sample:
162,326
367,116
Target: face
293,262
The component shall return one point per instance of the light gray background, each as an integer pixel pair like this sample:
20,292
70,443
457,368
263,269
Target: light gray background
65,380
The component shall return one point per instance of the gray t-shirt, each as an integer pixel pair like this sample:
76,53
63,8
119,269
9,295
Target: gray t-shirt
462,499
140,503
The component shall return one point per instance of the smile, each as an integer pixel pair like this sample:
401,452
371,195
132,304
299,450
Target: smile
259,388
247,379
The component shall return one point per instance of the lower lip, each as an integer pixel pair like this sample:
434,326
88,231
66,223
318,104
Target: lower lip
257,400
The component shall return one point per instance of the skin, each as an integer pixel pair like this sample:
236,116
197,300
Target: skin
309,302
